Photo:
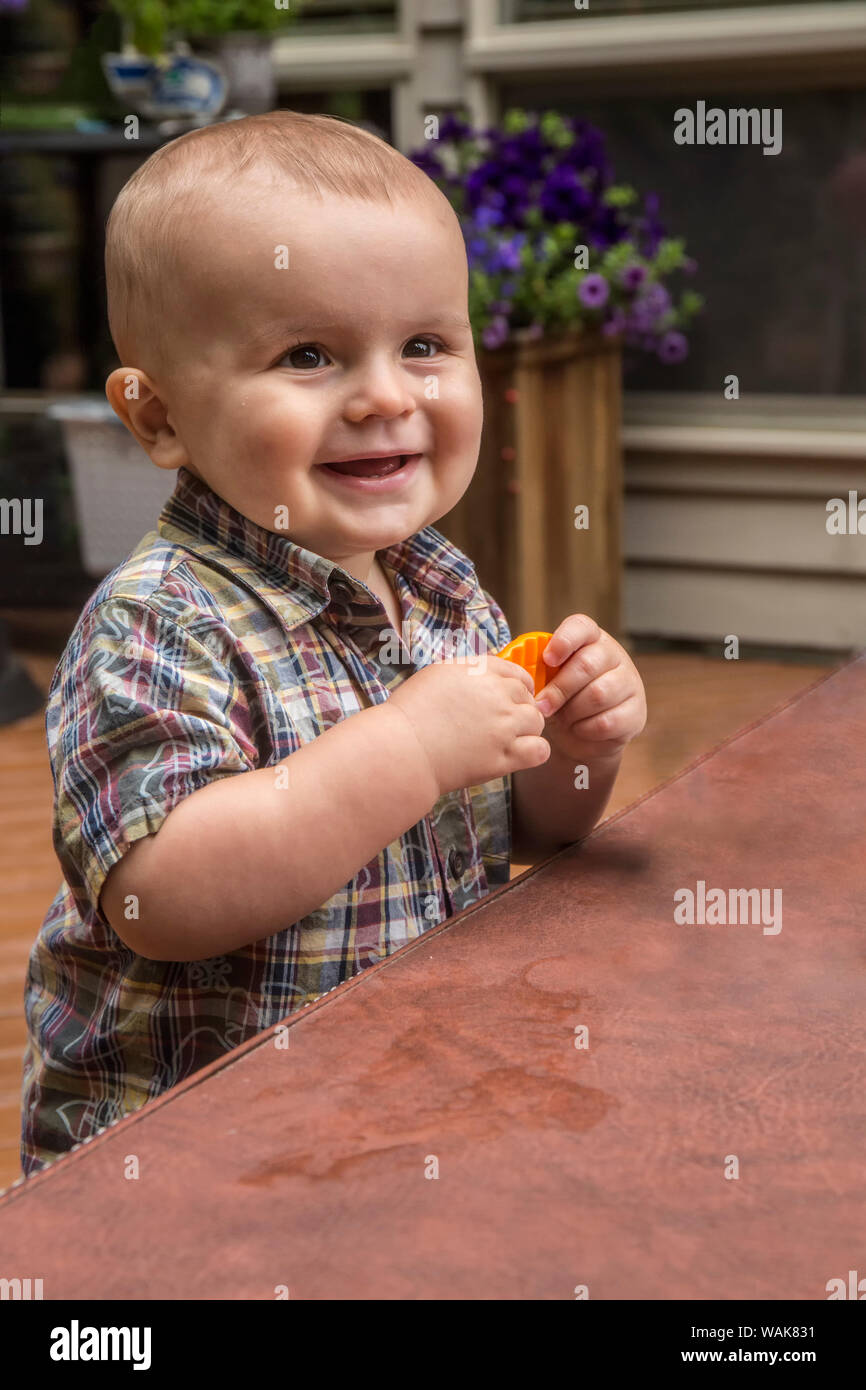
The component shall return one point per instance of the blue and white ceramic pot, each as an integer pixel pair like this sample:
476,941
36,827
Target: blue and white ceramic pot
174,84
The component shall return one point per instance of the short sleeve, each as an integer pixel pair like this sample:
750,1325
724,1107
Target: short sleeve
140,715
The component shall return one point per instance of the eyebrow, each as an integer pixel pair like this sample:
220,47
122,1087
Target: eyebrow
277,332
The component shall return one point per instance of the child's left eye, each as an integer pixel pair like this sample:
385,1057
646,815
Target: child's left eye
435,343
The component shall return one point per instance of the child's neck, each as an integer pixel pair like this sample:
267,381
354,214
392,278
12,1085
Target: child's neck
379,581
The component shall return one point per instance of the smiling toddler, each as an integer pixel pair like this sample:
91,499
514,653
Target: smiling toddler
283,745
261,787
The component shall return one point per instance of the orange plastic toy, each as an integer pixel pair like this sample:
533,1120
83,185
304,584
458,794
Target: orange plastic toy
526,651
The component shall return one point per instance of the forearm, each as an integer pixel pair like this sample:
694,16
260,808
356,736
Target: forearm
247,855
549,811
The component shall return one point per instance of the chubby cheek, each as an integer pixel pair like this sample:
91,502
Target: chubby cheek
245,445
275,436
457,419
277,430
275,456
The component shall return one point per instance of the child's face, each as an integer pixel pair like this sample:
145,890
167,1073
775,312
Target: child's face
283,369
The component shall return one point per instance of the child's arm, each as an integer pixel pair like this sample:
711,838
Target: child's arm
552,809
240,858
594,704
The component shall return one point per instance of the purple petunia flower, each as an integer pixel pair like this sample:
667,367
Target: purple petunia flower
426,158
615,325
486,216
507,255
515,188
594,291
495,333
588,152
605,228
563,198
658,299
632,277
476,249
648,308
673,347
535,331
451,127
641,319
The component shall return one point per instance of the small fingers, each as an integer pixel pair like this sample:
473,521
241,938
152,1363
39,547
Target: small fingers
581,672
612,728
510,668
605,692
533,750
575,632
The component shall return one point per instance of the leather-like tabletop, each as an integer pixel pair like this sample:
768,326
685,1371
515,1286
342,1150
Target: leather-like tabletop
609,1166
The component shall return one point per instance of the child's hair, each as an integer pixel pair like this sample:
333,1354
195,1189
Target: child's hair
317,154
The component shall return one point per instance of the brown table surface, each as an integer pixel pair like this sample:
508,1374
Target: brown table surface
558,1166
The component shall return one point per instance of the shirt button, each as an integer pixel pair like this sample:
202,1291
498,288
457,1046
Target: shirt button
456,863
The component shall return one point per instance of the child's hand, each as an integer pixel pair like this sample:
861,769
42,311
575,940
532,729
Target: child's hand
595,703
475,722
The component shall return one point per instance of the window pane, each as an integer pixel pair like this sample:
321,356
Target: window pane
780,240
518,11
347,16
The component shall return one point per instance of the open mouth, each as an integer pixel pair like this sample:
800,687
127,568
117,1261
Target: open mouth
371,468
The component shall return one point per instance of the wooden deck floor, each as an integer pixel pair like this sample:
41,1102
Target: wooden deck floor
694,702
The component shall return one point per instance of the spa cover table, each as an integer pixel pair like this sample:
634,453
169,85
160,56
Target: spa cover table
432,1131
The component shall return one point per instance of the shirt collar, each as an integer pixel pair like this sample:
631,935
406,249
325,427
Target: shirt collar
295,582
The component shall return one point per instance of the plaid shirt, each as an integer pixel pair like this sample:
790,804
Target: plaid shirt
215,648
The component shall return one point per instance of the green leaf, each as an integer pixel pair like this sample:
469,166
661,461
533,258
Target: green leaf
515,121
670,255
619,196
553,128
617,257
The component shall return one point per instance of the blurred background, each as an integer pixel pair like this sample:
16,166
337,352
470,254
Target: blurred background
707,442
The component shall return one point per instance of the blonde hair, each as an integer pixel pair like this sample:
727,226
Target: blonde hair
317,154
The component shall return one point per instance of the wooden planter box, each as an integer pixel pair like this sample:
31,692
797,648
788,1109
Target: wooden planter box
550,443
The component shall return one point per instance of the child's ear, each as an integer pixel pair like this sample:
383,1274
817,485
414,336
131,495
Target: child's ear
133,397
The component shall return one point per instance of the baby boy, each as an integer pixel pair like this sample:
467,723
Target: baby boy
288,297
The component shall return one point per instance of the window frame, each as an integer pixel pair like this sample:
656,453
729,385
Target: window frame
810,35
821,46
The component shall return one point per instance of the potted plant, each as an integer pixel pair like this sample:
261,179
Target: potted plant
146,26
155,72
527,196
240,33
566,268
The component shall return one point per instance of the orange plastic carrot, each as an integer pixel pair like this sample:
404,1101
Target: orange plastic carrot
526,651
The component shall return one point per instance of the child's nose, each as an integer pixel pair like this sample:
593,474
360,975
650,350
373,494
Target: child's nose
383,387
